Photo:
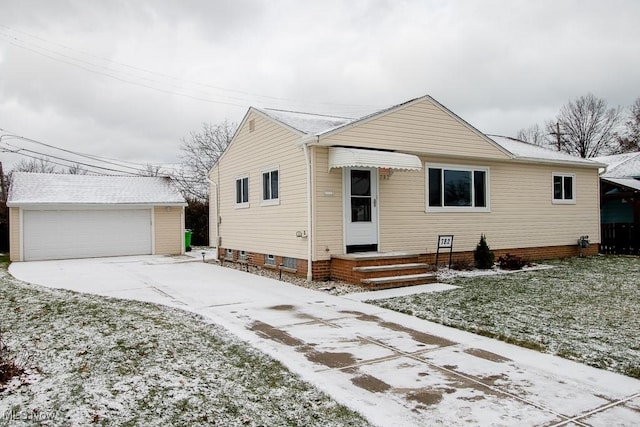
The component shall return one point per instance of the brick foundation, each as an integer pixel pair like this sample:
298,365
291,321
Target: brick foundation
342,269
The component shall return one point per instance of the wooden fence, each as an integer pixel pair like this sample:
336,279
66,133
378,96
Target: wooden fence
620,238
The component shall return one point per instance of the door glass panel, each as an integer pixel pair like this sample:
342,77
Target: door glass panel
360,209
360,183
360,196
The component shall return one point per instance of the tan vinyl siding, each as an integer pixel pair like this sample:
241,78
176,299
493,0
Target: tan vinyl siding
419,128
14,234
168,230
263,229
522,214
328,207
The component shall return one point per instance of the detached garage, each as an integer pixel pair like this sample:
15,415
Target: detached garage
58,216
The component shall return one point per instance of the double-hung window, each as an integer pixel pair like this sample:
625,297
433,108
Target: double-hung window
270,187
564,188
242,191
457,188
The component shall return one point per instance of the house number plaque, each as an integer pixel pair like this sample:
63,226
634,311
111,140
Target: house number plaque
445,241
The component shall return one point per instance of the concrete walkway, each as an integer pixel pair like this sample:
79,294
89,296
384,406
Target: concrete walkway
394,369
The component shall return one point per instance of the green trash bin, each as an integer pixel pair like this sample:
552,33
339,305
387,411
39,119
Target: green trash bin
187,240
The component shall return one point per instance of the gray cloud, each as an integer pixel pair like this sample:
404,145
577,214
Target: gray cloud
500,65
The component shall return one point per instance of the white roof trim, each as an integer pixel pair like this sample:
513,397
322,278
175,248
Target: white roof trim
342,157
631,183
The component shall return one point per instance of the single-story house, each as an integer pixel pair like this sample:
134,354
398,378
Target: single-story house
620,203
335,197
58,216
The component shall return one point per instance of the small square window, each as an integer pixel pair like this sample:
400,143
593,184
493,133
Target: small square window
269,259
290,263
228,254
563,188
242,255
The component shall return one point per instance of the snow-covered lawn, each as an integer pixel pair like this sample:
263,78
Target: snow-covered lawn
100,360
584,309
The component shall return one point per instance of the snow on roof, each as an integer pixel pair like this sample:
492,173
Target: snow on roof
311,124
625,182
625,165
45,188
529,151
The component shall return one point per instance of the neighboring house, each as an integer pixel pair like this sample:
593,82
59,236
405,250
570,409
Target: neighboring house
57,216
334,197
620,188
620,203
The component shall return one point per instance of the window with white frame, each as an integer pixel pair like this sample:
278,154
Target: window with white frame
242,255
453,187
564,188
228,254
270,186
242,191
269,259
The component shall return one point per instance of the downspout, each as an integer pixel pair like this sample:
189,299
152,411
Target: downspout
217,229
307,159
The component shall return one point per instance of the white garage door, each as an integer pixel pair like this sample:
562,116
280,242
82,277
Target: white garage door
86,233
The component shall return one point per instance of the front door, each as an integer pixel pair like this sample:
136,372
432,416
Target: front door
361,209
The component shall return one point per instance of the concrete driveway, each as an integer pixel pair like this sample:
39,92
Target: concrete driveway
394,369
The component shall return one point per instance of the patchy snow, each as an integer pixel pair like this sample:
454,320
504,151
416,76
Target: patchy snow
106,361
582,309
445,274
396,370
529,151
45,188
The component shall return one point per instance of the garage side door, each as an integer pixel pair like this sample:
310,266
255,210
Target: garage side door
86,233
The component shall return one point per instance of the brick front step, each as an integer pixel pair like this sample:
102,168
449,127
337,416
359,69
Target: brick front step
399,281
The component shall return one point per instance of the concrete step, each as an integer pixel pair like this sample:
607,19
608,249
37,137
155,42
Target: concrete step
391,267
399,281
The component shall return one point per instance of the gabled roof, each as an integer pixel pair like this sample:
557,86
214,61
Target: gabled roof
527,151
50,189
320,126
625,165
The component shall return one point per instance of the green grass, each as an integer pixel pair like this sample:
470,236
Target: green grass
584,309
103,361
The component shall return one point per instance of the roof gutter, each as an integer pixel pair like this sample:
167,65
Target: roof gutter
592,164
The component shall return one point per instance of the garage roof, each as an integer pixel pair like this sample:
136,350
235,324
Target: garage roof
54,189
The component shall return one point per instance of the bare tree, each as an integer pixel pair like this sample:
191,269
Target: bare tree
39,165
630,138
76,169
585,127
199,153
153,170
533,135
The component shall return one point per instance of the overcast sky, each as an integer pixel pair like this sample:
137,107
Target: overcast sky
127,79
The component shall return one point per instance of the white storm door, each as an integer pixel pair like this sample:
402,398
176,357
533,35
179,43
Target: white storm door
361,208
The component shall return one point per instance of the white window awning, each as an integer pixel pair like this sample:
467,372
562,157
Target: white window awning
342,157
